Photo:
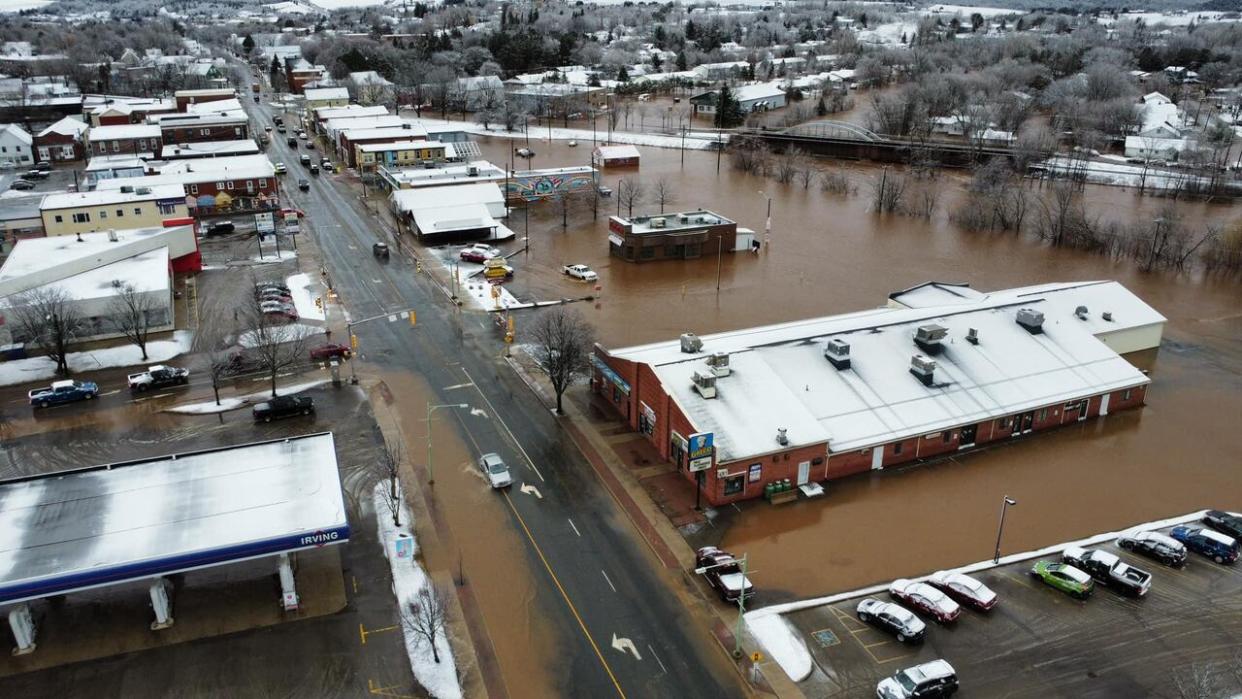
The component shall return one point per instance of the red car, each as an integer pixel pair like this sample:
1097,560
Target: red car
964,590
927,599
329,351
479,253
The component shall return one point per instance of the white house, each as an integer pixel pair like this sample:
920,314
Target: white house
15,145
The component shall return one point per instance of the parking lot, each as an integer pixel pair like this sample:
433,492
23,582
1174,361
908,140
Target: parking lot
1039,642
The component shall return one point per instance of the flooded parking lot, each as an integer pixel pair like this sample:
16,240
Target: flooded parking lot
829,254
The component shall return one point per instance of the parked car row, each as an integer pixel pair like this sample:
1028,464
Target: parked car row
1077,574
275,300
70,391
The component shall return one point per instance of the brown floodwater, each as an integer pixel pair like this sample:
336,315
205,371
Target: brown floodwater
830,254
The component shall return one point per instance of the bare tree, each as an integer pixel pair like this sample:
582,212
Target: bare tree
51,319
425,617
133,311
629,193
388,468
887,192
589,198
663,193
276,345
1198,681
217,344
564,203
563,343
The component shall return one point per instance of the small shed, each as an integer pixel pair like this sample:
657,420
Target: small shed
615,156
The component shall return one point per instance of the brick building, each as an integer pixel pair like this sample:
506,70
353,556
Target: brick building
197,128
681,236
214,186
830,397
124,139
61,142
187,97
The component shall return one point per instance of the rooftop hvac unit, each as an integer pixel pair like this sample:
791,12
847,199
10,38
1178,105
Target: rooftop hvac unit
705,384
923,368
1081,312
690,343
142,190
684,218
658,222
837,351
719,363
127,189
472,171
1031,319
112,235
972,336
782,437
1108,315
928,337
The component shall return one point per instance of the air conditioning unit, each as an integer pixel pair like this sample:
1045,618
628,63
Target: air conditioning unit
1108,316
127,189
658,222
705,384
923,368
837,351
690,343
142,190
782,436
1031,319
472,171
719,363
972,336
1081,312
928,337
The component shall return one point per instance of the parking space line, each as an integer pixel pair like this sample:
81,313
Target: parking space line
608,580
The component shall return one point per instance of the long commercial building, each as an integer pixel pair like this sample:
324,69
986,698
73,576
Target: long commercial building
830,397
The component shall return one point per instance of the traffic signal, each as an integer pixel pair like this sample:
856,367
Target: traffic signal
319,302
353,342
413,319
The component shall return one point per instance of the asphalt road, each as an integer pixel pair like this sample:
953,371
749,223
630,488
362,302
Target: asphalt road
599,583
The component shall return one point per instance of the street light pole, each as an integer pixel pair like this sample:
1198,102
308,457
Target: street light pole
1005,503
741,600
431,475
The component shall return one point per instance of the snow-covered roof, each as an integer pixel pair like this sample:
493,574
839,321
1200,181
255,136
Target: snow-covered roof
200,149
616,152
411,130
781,380
441,176
349,111
410,144
104,197
414,200
364,121
16,132
231,106
761,91
326,93
446,219
369,77
146,518
66,127
123,132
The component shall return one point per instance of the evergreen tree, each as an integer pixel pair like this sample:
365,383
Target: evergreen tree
692,31
728,109
681,60
623,75
248,44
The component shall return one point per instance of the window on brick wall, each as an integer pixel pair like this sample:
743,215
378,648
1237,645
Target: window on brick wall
1043,414
948,436
1126,394
734,484
897,448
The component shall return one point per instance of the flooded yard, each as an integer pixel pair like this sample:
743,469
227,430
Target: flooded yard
829,254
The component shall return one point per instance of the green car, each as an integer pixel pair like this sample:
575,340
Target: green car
1065,578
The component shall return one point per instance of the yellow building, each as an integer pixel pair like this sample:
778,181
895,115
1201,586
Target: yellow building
400,154
129,207
318,97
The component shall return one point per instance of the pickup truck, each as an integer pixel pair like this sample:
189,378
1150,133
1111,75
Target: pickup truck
158,376
723,573
283,406
67,391
1109,570
582,272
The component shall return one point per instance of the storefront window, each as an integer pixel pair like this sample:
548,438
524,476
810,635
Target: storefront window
734,484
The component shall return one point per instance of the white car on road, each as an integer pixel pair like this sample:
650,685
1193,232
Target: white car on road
582,272
495,470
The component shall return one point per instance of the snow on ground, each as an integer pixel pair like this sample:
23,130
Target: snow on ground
227,404
20,5
304,298
968,10
1172,19
888,34
294,330
480,292
408,578
36,368
1125,174
782,643
271,256
693,141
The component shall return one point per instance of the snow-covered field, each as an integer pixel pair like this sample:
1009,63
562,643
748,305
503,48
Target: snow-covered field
968,10
227,404
693,141
1172,19
19,5
1122,174
40,368
440,679
790,652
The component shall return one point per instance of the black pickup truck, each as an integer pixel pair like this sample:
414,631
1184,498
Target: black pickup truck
1109,570
283,406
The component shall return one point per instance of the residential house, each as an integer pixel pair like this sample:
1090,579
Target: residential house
371,88
326,97
187,97
16,145
127,139
64,141
478,93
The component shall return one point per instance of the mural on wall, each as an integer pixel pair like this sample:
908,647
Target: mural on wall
536,187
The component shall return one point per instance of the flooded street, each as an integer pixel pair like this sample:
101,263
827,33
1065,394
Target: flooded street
829,254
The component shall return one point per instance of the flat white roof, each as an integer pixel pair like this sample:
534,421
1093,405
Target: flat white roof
611,152
103,197
354,133
121,522
400,145
245,146
448,196
146,271
326,93
349,110
780,378
446,219
32,255
122,132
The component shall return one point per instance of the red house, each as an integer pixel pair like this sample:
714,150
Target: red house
61,142
825,398
187,97
127,139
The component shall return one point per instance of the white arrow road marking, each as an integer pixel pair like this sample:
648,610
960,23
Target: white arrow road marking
625,644
477,412
531,490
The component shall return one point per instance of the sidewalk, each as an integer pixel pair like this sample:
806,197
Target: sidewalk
645,489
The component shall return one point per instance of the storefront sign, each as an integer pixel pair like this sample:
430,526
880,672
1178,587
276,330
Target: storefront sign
702,448
756,473
291,222
264,223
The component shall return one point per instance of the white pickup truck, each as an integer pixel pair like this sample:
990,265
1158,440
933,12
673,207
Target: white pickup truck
158,376
582,272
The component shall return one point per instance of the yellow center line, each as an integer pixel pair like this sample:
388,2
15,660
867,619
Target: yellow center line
565,596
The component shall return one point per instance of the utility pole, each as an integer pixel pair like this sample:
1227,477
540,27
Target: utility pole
741,599
719,148
431,475
1005,503
719,262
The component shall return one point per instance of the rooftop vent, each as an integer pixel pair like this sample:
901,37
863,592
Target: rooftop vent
972,336
719,363
690,343
142,190
127,189
472,171
837,351
1081,312
112,235
1031,319
705,384
928,337
923,368
658,222
782,437
1108,315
